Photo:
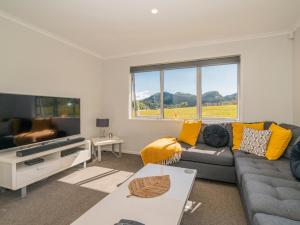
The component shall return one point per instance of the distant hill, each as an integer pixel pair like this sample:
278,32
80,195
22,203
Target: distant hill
230,98
212,97
216,97
180,99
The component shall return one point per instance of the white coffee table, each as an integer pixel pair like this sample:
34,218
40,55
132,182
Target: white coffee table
104,141
166,209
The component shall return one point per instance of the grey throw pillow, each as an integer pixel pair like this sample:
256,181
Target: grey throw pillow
255,141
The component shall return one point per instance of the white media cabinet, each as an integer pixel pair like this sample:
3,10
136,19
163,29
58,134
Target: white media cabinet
15,174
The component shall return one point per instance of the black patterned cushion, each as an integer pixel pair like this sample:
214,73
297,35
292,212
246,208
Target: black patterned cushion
295,161
255,141
215,136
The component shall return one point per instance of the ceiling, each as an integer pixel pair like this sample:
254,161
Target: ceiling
111,28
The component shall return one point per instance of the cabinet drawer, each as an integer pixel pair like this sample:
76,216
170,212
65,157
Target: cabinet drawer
29,174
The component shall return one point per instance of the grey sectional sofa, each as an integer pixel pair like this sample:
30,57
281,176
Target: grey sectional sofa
269,192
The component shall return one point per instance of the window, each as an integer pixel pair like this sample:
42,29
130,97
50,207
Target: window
146,93
204,89
180,94
219,92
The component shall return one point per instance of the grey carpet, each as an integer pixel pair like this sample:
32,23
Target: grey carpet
50,202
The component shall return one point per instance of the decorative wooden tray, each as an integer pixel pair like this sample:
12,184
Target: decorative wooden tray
149,187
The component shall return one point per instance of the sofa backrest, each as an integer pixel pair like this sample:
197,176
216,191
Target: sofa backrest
295,139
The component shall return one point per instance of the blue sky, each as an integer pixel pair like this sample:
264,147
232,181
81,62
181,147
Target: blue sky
220,78
214,78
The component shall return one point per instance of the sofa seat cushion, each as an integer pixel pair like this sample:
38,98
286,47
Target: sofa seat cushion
250,165
205,154
264,219
273,196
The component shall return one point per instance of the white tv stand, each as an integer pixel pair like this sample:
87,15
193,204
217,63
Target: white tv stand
14,174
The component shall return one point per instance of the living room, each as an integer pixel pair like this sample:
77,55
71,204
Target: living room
111,61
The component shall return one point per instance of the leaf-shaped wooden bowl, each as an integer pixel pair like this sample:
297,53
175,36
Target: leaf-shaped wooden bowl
149,187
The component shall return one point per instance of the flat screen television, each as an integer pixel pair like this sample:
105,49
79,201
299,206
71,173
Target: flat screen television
28,119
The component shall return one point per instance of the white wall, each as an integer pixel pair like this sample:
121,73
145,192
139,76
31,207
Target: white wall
296,87
31,63
266,86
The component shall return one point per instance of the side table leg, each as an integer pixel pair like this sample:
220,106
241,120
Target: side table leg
84,165
99,153
120,150
94,152
119,154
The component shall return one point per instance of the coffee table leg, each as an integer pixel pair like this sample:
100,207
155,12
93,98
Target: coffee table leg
99,153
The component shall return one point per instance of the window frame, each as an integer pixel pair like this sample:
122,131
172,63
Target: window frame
161,68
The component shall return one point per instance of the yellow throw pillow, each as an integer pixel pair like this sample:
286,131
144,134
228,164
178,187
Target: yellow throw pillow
189,132
278,142
238,130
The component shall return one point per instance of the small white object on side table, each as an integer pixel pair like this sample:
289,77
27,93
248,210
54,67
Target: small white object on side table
104,141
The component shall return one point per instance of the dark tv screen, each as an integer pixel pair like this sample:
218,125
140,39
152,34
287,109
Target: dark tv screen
28,119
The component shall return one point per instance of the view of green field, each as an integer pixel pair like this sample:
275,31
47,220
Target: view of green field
224,111
179,98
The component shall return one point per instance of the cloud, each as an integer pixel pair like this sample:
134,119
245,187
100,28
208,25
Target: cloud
142,95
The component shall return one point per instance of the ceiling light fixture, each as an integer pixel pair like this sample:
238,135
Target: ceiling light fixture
154,11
